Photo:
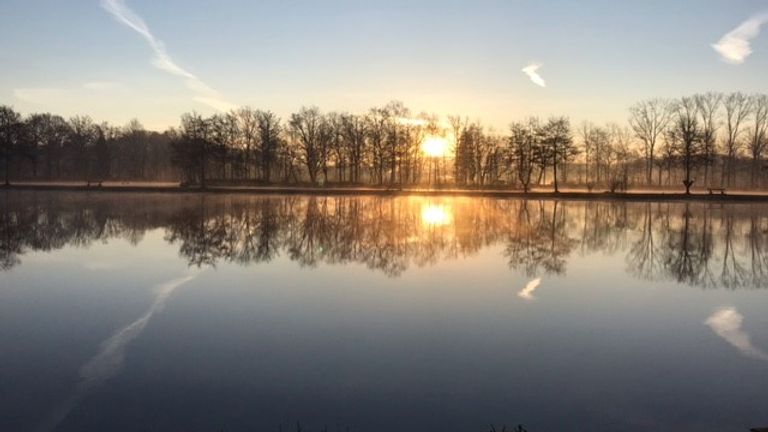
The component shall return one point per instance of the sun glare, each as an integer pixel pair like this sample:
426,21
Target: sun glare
435,215
435,146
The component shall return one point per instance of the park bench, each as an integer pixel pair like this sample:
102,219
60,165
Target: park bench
712,190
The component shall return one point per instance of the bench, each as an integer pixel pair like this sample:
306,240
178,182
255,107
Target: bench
713,190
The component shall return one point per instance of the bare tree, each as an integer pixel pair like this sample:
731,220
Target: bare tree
102,158
686,126
378,120
307,125
737,109
648,120
670,148
49,134
759,135
338,151
354,130
192,148
10,138
596,145
461,153
557,139
620,153
523,143
395,138
268,129
248,136
708,106
83,137
134,148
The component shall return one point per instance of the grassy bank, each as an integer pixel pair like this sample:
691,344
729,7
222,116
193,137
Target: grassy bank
746,196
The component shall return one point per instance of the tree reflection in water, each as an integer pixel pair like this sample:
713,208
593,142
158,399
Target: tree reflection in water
701,244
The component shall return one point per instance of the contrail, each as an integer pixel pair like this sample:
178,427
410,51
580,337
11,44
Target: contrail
726,323
203,93
530,70
527,292
735,46
109,360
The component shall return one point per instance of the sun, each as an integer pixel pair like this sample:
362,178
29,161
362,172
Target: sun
435,146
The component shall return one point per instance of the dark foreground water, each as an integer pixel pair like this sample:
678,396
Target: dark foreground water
202,313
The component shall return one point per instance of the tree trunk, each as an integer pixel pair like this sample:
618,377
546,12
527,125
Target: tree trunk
7,170
554,172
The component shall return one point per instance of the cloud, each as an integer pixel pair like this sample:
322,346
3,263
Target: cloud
530,70
726,323
735,46
109,360
527,292
162,60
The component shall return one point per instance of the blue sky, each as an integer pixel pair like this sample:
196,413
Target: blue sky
443,57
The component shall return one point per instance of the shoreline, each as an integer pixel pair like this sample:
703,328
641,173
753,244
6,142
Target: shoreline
363,191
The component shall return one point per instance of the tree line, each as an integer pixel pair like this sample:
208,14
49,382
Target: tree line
708,140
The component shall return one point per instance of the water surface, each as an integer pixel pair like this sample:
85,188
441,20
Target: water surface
244,313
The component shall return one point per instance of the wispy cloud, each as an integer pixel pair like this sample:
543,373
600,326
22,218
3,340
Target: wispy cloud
109,360
736,46
202,92
527,292
531,71
726,323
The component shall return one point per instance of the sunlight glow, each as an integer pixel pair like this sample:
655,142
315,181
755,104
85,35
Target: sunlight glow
435,215
435,146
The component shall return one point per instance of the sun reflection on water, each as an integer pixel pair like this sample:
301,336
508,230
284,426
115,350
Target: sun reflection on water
436,215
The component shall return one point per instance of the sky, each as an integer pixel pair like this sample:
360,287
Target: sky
492,60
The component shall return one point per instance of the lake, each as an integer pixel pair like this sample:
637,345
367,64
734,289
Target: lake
209,312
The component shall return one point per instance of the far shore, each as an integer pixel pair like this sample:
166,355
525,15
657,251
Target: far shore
539,193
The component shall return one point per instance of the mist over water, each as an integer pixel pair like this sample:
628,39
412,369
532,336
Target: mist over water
209,312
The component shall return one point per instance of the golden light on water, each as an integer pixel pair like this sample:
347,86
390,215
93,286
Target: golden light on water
435,146
436,215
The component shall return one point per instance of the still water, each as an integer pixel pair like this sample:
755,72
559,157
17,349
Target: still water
250,313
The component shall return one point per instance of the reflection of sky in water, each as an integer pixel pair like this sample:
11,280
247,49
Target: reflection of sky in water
527,292
727,323
109,360
378,321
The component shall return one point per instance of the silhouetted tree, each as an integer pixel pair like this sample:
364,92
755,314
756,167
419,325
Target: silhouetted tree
648,120
758,139
708,107
354,131
192,148
558,142
307,127
687,129
737,109
49,134
11,139
524,149
81,142
102,161
269,129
